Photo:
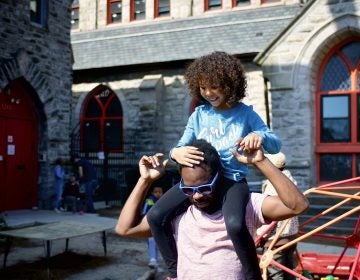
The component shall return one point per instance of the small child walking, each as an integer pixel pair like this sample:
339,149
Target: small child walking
218,82
59,175
155,193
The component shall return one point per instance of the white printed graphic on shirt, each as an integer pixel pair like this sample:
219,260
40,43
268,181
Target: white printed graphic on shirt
220,137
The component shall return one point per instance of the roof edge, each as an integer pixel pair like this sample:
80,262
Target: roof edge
260,58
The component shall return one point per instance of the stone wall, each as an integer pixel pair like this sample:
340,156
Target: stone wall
156,105
170,106
292,66
42,55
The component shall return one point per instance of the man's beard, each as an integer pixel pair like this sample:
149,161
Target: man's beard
212,206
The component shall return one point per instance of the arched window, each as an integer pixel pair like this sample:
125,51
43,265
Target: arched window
102,122
337,113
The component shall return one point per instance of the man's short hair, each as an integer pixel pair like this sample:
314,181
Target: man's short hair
211,155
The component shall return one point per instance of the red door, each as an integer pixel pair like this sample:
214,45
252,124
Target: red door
18,149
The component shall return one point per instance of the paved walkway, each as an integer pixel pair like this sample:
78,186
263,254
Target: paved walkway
126,257
21,218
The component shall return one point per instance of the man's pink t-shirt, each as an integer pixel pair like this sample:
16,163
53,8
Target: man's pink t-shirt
204,249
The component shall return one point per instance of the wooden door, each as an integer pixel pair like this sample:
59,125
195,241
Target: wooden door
18,150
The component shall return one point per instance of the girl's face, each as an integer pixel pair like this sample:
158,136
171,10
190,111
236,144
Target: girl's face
214,95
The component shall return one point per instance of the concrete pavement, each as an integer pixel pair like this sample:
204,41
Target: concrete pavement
125,257
21,218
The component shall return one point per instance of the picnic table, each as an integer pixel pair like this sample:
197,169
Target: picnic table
54,231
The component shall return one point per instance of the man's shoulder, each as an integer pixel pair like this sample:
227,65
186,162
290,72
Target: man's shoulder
256,198
254,209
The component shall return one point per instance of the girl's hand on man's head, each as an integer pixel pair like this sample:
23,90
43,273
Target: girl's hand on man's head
187,155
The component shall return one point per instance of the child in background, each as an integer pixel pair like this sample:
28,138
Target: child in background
285,257
155,193
218,81
72,196
59,175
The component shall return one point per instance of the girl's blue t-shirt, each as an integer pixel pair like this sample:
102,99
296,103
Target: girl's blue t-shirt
223,128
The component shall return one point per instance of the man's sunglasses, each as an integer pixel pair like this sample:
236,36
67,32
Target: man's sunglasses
202,189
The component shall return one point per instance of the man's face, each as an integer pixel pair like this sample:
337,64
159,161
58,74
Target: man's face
196,176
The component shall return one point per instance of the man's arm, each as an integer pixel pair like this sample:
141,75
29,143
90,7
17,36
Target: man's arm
289,202
129,223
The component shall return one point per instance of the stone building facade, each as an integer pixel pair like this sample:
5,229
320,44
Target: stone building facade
143,63
300,65
284,45
118,90
35,95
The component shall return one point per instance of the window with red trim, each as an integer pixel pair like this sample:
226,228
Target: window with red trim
102,122
240,3
114,11
75,8
137,9
337,113
270,1
162,8
212,5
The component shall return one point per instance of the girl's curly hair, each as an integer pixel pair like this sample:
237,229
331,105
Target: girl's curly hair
217,69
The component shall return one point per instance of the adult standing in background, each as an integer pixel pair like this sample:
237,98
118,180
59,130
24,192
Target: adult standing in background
58,184
285,257
88,180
